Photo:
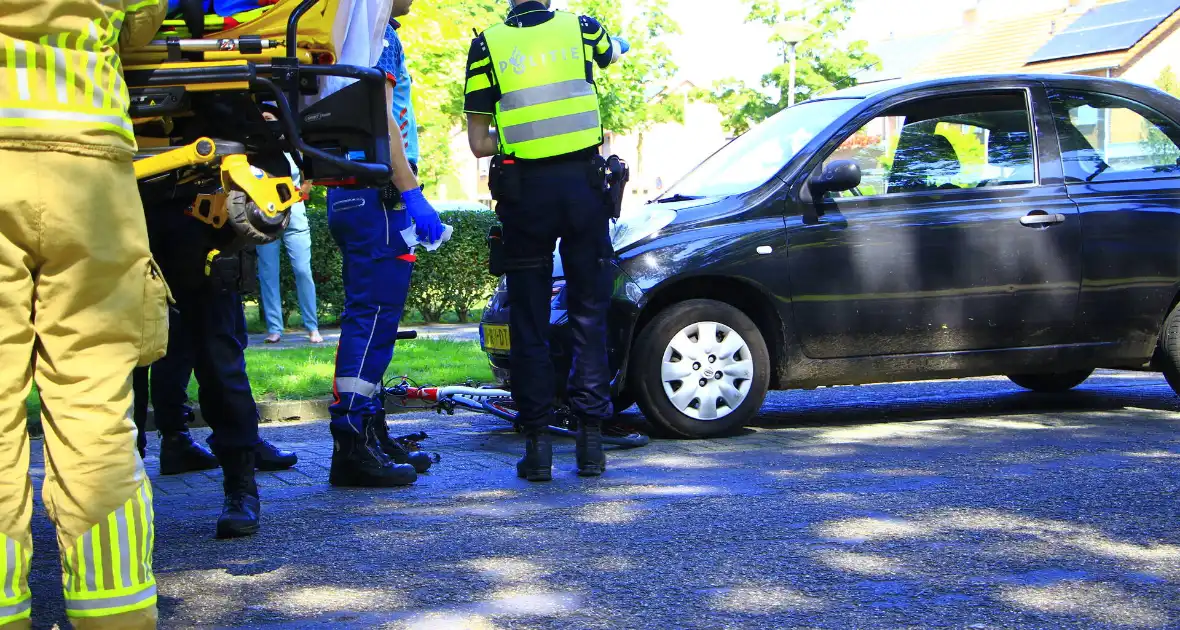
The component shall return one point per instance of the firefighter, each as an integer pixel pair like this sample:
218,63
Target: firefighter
82,303
533,76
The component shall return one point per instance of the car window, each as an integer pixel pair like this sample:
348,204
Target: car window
1108,138
947,143
753,158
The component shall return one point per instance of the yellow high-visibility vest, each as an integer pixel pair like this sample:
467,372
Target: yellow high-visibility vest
61,80
547,105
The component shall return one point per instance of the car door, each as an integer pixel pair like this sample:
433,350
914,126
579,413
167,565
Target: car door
1120,160
959,238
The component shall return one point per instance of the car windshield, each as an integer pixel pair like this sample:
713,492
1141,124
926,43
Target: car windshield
751,159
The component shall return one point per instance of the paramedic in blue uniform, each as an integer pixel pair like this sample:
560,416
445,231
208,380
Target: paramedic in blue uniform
533,78
377,265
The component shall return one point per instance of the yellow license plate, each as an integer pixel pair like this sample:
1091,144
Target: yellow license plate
495,338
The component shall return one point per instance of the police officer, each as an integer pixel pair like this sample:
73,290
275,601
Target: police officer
533,76
81,304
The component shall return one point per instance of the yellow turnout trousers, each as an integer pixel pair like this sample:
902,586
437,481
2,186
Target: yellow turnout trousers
81,304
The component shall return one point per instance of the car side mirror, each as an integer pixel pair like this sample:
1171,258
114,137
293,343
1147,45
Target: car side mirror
838,176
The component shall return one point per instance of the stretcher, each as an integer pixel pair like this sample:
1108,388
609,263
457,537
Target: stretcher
197,105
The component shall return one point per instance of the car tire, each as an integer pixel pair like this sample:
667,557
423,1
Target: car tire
1169,346
655,362
1051,383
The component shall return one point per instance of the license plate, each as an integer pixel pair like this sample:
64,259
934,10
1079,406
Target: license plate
495,338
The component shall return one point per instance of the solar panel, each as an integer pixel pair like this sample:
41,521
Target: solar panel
1107,28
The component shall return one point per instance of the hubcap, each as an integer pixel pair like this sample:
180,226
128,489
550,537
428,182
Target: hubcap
707,370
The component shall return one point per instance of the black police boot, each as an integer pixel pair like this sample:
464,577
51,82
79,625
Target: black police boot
588,449
537,463
358,461
180,454
267,456
420,460
239,516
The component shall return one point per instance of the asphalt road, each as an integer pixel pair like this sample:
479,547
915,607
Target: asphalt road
966,504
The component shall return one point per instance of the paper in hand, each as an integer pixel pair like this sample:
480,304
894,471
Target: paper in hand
410,236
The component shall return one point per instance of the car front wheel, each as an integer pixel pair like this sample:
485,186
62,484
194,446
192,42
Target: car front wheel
700,369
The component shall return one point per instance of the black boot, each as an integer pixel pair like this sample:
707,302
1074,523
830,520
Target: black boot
267,456
358,461
420,460
537,463
180,454
239,517
588,449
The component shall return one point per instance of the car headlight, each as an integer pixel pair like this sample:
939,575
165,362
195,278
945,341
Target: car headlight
639,224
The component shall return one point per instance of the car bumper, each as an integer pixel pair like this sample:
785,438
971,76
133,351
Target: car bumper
621,319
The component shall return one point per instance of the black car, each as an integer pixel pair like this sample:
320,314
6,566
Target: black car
1019,225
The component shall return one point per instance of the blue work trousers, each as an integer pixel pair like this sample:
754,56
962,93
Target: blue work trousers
297,239
377,268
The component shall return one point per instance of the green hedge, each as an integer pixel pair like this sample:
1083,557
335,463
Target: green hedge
453,279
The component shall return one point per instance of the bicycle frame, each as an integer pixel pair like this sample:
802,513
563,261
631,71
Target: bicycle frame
491,401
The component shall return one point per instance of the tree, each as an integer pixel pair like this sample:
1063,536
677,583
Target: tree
625,89
824,63
437,36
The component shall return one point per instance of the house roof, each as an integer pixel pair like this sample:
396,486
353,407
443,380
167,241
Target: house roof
901,55
1119,58
1001,45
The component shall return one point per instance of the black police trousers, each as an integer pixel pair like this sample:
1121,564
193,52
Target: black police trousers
557,200
206,335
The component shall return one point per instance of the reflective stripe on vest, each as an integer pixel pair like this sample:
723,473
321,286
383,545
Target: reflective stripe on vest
108,570
547,106
69,79
15,598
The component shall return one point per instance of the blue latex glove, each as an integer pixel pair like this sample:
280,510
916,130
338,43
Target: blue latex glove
624,46
429,227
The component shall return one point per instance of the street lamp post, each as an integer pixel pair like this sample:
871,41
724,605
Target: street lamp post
791,81
791,34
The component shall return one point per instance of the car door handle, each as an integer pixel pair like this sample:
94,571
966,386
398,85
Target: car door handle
1039,218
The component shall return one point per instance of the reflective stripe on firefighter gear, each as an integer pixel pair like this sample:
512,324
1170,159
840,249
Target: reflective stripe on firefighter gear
108,571
69,82
548,106
15,597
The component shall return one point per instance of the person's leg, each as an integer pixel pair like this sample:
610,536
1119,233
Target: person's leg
170,378
269,289
585,250
375,282
140,387
299,250
100,311
530,231
267,456
19,216
224,386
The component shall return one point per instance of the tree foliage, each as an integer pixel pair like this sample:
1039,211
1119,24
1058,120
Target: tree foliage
437,36
824,63
625,89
